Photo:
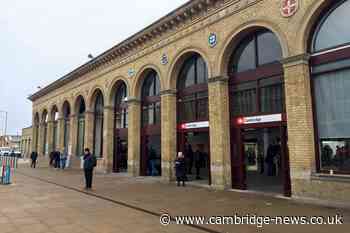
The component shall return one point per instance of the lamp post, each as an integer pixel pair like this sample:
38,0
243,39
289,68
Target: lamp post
6,113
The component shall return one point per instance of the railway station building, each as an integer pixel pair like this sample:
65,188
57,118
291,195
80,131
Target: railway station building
253,92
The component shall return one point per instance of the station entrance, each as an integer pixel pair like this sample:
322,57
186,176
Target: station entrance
260,160
194,144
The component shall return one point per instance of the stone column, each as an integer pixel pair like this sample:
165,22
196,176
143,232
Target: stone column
219,128
134,136
169,134
108,137
60,128
89,130
73,136
34,137
50,136
41,139
301,141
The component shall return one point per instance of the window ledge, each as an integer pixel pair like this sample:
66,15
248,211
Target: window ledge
328,177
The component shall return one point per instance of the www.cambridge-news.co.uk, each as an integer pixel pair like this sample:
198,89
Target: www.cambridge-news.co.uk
251,219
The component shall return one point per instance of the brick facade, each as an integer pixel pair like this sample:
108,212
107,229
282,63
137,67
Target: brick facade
182,32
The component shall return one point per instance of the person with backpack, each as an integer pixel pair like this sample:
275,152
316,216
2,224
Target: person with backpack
90,163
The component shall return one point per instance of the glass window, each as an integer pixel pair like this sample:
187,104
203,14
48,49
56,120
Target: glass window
151,85
333,29
187,76
98,125
66,135
244,99
121,112
333,118
81,133
202,71
151,110
257,49
245,56
193,106
269,49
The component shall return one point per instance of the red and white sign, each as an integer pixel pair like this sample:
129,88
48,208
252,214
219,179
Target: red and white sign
259,119
289,7
195,125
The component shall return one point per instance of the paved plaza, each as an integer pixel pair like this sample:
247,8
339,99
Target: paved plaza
47,200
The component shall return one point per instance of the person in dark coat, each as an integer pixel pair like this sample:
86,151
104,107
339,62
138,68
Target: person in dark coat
89,165
189,158
198,162
52,158
180,169
57,159
33,157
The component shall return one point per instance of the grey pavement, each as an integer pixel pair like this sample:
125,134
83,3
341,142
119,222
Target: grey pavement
47,200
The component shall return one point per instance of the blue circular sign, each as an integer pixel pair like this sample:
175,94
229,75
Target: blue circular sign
212,40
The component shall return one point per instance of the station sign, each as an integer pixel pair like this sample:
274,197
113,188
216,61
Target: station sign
259,119
195,125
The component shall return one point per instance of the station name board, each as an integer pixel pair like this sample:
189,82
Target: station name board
259,119
195,125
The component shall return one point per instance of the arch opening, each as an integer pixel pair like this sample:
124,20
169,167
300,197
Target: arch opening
330,61
120,160
257,111
150,125
193,117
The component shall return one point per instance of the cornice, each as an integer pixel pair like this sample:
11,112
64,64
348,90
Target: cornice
150,38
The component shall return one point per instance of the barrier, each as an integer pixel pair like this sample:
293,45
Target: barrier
8,165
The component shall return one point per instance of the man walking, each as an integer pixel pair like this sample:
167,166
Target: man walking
89,165
33,157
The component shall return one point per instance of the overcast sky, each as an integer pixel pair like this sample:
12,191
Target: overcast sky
42,40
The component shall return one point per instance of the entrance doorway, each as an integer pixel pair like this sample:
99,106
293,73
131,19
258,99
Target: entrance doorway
195,146
260,160
120,161
151,155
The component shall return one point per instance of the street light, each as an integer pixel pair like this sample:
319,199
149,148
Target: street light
5,121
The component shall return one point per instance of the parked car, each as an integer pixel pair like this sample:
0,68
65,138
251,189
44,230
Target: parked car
5,151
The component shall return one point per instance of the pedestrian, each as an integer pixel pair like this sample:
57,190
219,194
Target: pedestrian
52,158
189,156
56,159
180,169
89,165
198,162
63,159
33,157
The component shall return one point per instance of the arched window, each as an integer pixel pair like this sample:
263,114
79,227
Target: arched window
81,126
193,90
151,99
120,161
66,127
151,121
55,135
256,75
333,29
121,107
98,125
331,83
45,119
36,133
258,49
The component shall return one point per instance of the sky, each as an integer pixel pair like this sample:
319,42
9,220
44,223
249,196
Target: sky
41,41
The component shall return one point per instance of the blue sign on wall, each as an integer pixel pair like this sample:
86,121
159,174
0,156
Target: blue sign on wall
212,40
